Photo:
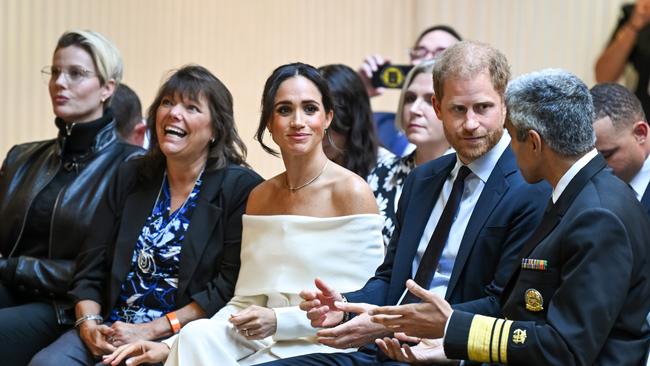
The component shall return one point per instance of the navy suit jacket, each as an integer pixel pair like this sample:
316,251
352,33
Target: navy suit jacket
506,213
645,200
594,292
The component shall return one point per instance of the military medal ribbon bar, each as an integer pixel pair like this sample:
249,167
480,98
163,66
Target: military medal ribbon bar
534,264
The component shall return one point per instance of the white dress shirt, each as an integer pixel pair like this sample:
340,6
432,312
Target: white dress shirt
641,180
481,169
568,176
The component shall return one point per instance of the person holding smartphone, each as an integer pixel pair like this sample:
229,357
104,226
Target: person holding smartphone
427,46
629,44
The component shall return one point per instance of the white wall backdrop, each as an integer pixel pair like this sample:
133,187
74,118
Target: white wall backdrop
242,41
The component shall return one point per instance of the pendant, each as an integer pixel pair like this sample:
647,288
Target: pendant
146,262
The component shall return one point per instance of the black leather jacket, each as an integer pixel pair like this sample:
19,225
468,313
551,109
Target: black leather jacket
27,169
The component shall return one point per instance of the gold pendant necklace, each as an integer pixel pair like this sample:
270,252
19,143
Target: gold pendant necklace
293,189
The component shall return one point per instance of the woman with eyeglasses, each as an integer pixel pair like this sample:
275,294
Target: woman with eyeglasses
49,191
427,46
166,248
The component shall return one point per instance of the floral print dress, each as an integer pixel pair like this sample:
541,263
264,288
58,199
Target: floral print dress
386,181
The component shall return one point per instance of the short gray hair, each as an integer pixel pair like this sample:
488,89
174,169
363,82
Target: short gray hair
556,104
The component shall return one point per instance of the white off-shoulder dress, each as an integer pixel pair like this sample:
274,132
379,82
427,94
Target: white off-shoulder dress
280,256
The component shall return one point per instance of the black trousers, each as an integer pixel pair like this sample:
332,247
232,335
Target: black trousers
365,356
26,326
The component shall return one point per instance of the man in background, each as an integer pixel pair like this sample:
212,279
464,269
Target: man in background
127,110
623,137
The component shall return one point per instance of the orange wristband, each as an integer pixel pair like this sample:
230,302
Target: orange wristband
173,322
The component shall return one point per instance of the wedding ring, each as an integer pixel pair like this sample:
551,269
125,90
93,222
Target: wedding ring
246,332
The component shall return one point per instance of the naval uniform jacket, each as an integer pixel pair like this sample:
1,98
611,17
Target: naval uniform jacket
587,303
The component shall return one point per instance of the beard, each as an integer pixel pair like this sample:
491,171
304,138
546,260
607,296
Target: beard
471,153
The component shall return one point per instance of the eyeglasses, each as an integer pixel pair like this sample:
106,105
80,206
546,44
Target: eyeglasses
72,74
419,53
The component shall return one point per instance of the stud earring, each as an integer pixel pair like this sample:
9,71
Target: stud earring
212,141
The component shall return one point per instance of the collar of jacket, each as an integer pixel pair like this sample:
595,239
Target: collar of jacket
79,139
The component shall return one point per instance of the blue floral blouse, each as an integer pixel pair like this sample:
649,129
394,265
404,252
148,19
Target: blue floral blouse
149,290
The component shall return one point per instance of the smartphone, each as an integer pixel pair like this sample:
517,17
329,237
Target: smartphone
390,76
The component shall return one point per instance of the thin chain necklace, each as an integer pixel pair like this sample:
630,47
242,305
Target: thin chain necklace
146,261
293,189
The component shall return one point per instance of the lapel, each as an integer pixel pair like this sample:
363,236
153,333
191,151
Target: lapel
645,200
495,188
204,220
421,200
554,214
136,209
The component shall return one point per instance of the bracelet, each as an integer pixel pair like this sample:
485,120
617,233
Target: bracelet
173,322
346,315
84,318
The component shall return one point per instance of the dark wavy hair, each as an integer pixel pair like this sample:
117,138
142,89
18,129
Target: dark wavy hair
192,82
272,85
352,118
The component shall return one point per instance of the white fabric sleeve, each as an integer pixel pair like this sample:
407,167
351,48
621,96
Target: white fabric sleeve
292,323
170,341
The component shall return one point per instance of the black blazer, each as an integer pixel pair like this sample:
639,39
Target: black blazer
210,255
589,305
504,216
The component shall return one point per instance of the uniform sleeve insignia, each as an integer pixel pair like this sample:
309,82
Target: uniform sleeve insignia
534,300
519,336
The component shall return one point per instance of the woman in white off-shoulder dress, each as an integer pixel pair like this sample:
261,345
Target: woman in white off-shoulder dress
315,219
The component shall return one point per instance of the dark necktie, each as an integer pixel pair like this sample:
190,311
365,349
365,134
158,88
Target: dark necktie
431,256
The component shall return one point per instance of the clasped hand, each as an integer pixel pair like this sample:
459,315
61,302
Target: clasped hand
102,339
641,14
426,319
325,309
255,322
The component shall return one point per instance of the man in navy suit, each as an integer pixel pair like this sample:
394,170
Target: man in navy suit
582,290
495,211
623,137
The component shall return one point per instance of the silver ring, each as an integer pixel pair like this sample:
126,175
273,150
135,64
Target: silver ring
246,332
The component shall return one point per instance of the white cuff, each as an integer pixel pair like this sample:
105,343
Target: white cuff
292,323
170,341
445,333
